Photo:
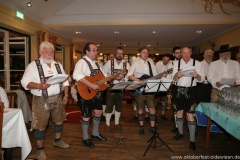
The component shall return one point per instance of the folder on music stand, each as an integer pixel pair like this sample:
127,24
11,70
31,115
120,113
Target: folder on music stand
130,85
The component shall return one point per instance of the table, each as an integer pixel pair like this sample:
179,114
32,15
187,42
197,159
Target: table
226,121
22,104
14,133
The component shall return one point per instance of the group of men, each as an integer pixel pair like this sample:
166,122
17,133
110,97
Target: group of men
48,99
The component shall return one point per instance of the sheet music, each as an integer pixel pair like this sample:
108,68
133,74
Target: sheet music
228,80
152,85
186,71
130,85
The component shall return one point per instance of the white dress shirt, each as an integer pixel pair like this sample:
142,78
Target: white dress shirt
160,67
205,66
31,74
82,69
219,69
4,98
107,68
140,67
186,81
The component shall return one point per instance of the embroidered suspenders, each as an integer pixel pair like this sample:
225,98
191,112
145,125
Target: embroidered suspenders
44,79
112,66
93,71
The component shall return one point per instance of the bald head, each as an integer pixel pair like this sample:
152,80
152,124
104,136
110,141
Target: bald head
111,56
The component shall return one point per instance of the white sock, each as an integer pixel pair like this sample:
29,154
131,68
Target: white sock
103,109
175,117
113,112
117,116
108,117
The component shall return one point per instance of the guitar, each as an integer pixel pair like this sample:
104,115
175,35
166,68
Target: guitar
88,93
146,77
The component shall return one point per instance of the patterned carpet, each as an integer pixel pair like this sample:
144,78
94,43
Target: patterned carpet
73,115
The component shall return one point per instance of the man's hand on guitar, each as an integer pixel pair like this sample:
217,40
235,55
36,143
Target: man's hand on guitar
164,74
95,86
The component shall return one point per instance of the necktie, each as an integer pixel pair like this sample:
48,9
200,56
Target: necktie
150,69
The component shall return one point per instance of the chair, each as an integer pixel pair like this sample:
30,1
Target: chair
1,125
12,98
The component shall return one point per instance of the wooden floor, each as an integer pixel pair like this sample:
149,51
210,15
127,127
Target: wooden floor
137,144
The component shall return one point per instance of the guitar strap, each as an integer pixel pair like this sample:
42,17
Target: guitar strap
93,71
150,69
44,79
112,66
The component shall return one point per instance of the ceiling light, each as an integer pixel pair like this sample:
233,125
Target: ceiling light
157,50
101,50
116,32
199,31
148,45
78,32
98,45
29,4
124,45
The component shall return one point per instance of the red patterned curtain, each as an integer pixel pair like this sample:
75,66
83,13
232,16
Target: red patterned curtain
40,39
53,40
71,56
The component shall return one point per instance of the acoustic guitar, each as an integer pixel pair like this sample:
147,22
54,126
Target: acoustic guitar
146,77
88,93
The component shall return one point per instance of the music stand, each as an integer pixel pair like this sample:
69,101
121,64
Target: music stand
156,86
120,141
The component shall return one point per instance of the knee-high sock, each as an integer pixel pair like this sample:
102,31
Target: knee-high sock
192,130
103,109
96,121
175,117
85,125
108,117
179,122
117,117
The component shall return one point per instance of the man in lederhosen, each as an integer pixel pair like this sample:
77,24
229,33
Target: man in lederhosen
184,93
47,99
88,66
115,97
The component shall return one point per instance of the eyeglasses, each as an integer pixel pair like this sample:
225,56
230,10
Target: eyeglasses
92,50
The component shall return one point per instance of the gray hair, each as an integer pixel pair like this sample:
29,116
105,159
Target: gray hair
46,44
208,51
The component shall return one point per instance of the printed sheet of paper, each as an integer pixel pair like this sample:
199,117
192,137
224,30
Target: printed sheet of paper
186,71
56,79
228,80
130,85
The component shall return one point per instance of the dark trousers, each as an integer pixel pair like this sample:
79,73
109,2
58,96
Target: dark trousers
203,92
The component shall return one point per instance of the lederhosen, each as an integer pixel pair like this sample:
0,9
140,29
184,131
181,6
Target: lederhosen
95,103
49,99
114,97
184,97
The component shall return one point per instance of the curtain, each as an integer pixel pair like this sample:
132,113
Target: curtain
40,39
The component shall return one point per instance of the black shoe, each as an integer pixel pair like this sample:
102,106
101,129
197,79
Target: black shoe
164,117
175,129
88,143
178,136
192,146
152,130
141,132
98,138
